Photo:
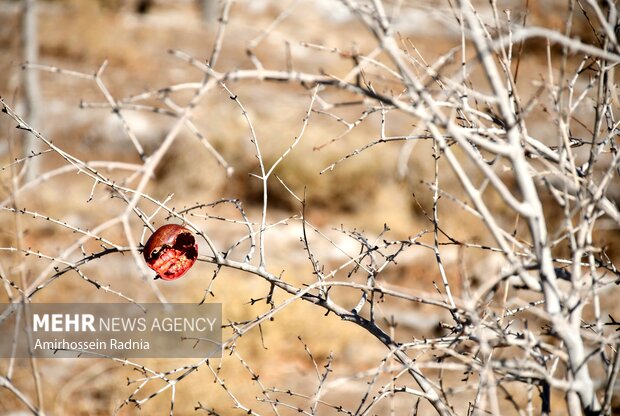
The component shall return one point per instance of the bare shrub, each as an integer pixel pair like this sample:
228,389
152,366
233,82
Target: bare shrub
425,227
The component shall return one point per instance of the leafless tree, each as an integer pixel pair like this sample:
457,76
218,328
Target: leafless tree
531,332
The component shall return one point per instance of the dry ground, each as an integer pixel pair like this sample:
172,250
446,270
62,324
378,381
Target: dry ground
362,193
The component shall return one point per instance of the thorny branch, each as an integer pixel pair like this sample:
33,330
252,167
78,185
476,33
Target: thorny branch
536,322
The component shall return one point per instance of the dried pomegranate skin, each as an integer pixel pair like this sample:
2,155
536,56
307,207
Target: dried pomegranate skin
171,251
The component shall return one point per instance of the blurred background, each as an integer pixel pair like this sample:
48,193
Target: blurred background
386,185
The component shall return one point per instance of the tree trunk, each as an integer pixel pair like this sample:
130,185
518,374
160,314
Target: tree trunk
30,81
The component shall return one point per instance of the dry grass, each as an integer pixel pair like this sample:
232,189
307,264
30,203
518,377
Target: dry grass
361,193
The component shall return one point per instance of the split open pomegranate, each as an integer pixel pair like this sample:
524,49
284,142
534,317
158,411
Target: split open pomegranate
171,251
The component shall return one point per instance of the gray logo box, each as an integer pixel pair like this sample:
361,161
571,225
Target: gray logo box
119,330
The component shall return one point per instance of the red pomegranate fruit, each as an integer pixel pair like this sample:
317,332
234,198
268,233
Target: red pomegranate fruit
171,251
